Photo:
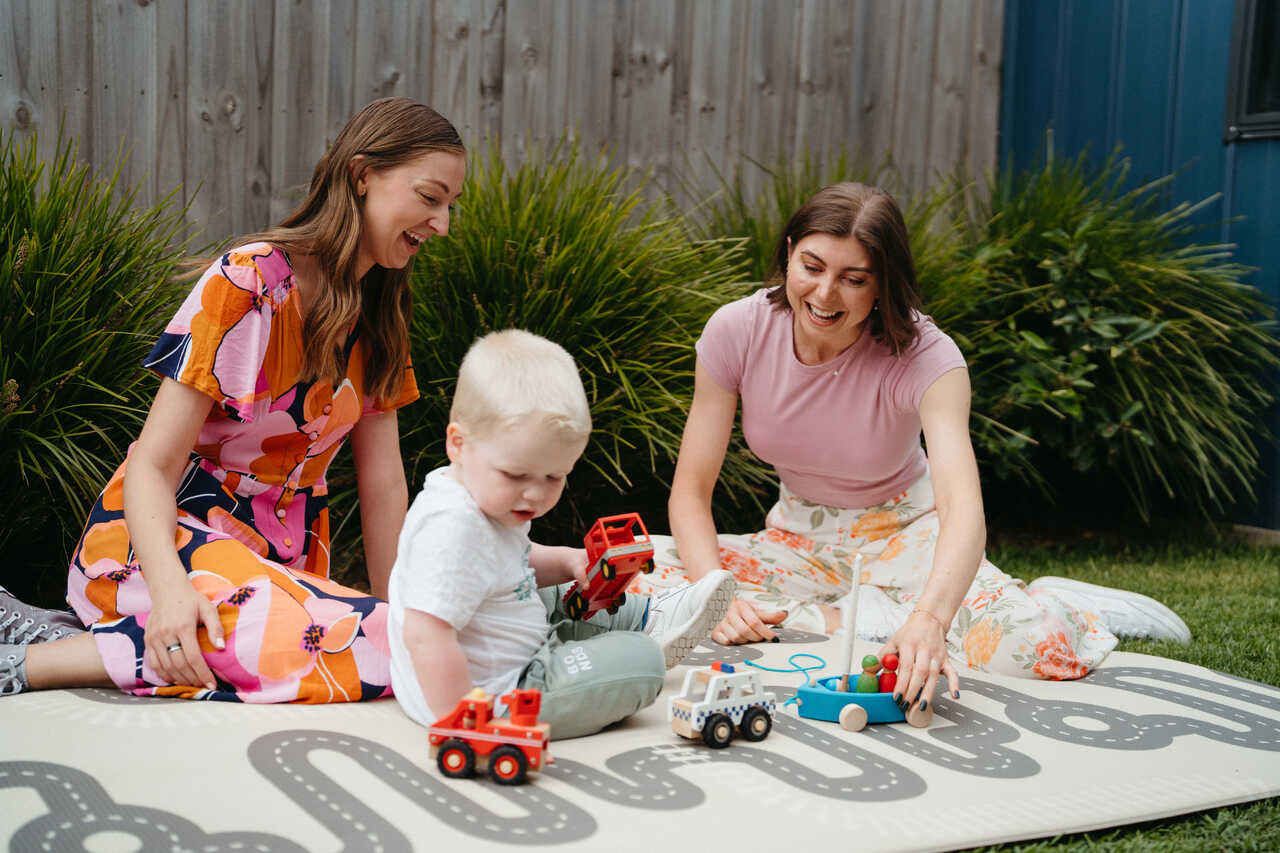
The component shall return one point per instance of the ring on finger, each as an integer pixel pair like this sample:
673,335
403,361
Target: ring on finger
173,647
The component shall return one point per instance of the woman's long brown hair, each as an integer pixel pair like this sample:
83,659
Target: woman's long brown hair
327,226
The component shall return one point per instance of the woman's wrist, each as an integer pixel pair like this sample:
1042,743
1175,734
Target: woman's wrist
929,614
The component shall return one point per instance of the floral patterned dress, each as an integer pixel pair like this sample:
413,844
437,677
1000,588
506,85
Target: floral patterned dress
804,558
253,522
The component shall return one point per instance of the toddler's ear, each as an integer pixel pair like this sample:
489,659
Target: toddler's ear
453,439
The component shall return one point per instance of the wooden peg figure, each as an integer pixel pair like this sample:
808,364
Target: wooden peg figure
867,680
889,676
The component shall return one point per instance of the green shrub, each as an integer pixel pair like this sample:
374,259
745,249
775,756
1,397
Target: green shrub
1093,324
731,209
84,289
560,248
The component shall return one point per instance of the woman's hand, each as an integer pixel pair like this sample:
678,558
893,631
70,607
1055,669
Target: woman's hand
746,623
176,614
921,648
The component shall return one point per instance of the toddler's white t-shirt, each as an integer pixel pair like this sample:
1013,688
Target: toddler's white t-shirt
457,565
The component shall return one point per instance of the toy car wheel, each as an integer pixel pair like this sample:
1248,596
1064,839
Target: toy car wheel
853,718
608,570
647,566
756,724
576,605
617,602
718,731
456,759
508,766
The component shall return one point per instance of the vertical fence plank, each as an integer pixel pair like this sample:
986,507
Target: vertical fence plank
526,75
124,82
589,72
771,75
984,89
824,84
650,78
300,99
168,170
914,93
948,115
879,42
716,72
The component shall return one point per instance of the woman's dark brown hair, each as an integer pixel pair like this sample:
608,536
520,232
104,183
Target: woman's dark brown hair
873,218
387,132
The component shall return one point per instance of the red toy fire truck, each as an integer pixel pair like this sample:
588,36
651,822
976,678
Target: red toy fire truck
618,546
510,747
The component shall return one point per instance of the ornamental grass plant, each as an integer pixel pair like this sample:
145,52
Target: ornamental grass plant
561,247
85,274
1126,363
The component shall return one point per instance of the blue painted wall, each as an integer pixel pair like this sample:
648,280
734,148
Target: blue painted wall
1150,75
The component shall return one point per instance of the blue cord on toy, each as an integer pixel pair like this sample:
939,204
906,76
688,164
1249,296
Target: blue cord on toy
795,667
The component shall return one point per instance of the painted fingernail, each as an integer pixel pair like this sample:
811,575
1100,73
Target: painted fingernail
924,704
955,695
775,639
918,695
897,697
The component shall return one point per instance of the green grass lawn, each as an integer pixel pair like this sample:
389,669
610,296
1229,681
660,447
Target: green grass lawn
1229,595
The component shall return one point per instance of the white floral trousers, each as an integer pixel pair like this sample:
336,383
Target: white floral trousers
804,557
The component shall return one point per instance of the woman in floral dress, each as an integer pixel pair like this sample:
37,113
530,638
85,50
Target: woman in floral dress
203,568
839,372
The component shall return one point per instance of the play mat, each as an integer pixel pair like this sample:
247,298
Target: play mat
1141,738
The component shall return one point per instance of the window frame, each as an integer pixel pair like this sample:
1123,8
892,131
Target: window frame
1240,125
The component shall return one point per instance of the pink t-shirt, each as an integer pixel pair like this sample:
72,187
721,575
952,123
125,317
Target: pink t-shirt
845,433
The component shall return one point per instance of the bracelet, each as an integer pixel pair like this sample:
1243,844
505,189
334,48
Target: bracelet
931,616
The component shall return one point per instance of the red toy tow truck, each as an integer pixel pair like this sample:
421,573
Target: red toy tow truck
618,546
510,747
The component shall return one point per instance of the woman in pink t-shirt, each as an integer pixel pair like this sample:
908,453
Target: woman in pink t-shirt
838,372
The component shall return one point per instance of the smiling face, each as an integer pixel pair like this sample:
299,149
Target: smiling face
404,205
515,473
832,290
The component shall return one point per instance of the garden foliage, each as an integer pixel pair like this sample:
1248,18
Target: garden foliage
1107,350
84,288
560,246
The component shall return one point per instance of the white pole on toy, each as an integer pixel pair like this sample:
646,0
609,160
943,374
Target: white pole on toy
850,615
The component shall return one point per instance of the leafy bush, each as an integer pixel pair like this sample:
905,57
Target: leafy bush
84,288
731,209
560,248
1093,324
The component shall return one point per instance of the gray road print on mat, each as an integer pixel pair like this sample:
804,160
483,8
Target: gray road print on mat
655,778
79,809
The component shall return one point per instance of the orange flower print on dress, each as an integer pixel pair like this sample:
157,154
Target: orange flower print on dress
787,538
893,548
743,566
875,525
1057,660
981,642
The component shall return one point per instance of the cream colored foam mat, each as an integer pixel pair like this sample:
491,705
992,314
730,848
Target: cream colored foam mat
1141,738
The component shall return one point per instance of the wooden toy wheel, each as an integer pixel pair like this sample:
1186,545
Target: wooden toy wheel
919,719
576,605
456,759
718,731
756,724
608,570
853,718
508,766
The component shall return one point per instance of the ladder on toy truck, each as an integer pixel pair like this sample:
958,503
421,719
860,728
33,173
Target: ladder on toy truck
618,547
470,736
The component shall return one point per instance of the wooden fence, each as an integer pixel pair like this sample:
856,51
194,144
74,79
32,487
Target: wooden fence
239,98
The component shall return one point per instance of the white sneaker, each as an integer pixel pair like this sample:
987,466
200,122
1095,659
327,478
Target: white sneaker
879,616
1124,613
13,671
681,618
